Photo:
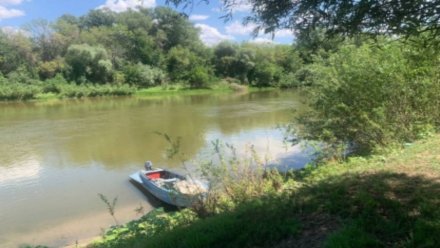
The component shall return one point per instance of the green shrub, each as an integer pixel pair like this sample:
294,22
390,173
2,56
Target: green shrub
372,96
143,75
93,90
199,77
54,85
153,223
15,91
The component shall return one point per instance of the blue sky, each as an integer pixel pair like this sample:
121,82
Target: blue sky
15,13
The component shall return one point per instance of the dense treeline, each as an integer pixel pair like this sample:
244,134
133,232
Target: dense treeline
104,52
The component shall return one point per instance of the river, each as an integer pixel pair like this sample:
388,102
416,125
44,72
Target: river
56,156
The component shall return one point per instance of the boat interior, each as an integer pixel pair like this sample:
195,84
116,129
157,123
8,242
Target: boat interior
162,174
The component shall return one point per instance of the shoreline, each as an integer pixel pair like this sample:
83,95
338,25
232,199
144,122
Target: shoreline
149,92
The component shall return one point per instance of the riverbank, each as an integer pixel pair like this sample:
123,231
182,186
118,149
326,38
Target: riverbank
379,201
45,92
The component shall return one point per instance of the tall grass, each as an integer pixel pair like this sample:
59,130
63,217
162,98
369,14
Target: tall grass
110,206
18,91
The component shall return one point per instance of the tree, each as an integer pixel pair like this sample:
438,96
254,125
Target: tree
15,52
346,17
48,43
173,28
144,75
96,18
88,63
186,66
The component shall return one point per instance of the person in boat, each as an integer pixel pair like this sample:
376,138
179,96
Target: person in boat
148,165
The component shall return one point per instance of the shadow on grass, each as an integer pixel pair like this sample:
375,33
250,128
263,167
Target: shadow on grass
381,209
352,210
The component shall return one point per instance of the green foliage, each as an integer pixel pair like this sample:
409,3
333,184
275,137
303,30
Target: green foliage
289,80
97,18
17,91
153,223
199,77
258,65
21,76
143,48
255,223
15,52
144,75
372,96
51,68
373,17
265,73
88,63
180,61
174,29
90,90
351,236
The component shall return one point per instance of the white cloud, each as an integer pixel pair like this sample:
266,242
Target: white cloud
123,5
238,28
198,17
6,13
210,35
11,2
284,33
262,40
242,6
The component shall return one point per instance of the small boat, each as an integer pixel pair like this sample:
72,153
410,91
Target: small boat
170,187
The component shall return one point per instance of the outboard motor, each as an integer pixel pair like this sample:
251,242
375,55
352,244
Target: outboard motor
148,165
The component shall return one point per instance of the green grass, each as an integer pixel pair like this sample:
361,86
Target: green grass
59,90
379,201
182,90
254,223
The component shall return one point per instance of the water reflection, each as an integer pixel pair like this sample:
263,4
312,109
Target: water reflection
120,132
20,171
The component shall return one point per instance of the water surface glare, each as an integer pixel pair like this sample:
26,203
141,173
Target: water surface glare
55,157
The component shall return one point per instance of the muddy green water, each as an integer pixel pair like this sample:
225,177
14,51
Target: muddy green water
56,157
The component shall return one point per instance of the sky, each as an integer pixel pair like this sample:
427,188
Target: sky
206,17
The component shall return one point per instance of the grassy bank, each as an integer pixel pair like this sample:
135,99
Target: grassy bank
379,201
46,91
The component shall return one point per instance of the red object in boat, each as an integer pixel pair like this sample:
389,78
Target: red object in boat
154,175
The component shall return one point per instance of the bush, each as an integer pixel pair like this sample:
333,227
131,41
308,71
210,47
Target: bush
91,90
54,84
88,63
288,80
144,75
370,97
154,222
18,87
15,91
199,77
266,74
